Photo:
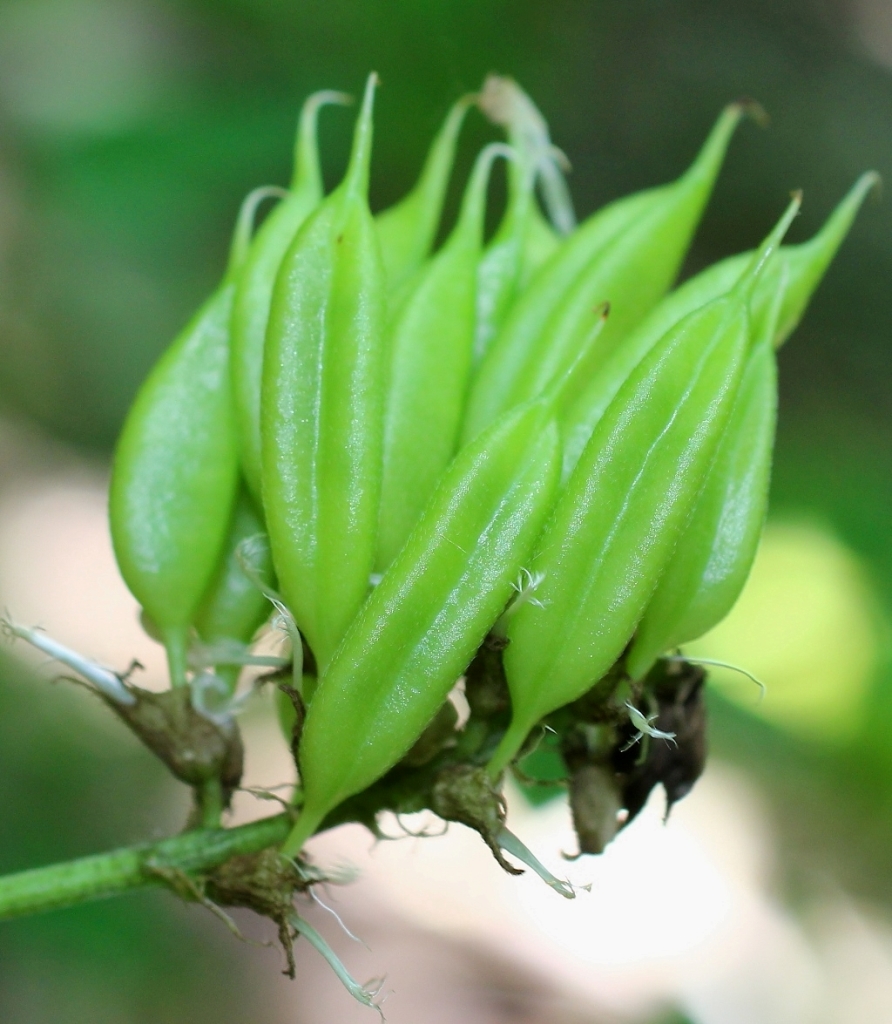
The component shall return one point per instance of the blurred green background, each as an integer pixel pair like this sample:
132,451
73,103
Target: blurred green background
129,132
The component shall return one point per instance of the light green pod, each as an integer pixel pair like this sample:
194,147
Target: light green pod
524,239
431,344
233,607
628,253
322,410
802,266
175,471
432,609
499,271
523,242
408,228
621,513
714,555
540,244
254,289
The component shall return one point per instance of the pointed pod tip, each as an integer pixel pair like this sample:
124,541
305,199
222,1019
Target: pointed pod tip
780,229
772,241
492,151
839,222
324,97
811,259
565,384
357,176
307,174
704,169
456,116
473,208
746,106
870,181
244,225
448,134
560,158
824,244
368,96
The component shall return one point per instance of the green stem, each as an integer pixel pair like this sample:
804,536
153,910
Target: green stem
111,874
307,825
210,799
508,748
176,642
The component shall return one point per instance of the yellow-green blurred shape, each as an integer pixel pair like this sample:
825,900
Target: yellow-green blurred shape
807,625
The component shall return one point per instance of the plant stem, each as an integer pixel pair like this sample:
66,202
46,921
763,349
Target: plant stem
110,874
210,799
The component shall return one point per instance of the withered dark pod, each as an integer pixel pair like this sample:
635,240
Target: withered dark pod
614,767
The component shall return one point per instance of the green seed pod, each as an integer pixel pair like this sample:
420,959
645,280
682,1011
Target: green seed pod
254,290
803,266
541,243
499,272
524,239
175,472
628,254
233,607
430,362
618,519
408,228
422,624
322,414
714,555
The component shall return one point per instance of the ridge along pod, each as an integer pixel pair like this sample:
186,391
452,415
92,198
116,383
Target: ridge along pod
234,607
407,229
175,471
254,289
430,347
714,555
627,253
322,409
802,266
616,523
421,625
523,239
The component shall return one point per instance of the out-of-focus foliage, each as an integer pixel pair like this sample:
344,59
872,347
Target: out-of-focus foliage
807,628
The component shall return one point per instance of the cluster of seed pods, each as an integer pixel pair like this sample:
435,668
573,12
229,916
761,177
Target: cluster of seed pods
529,437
